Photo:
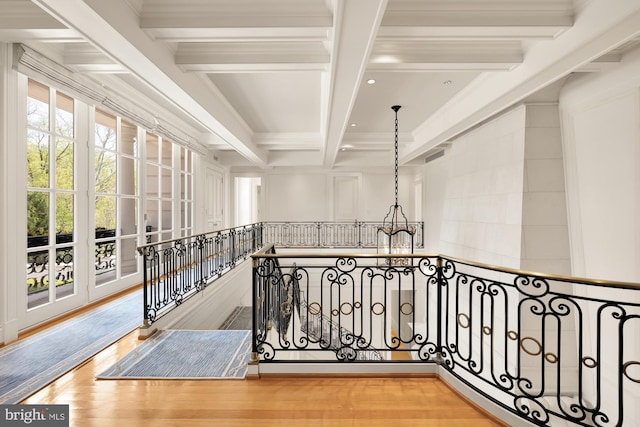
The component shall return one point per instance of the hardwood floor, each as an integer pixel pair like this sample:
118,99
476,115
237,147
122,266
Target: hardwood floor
269,401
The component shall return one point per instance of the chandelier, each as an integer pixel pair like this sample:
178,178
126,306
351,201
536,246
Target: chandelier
395,236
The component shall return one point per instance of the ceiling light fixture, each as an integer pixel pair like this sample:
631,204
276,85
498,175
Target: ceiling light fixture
371,81
395,236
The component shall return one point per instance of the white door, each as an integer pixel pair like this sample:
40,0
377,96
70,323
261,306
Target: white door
346,197
214,199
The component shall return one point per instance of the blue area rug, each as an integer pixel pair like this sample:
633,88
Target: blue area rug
29,364
185,354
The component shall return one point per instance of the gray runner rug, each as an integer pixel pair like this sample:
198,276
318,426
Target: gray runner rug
31,363
186,354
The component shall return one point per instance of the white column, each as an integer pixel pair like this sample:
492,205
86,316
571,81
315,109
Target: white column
12,236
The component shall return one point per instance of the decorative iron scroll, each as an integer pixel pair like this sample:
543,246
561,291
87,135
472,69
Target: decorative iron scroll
297,324
38,268
38,265
549,349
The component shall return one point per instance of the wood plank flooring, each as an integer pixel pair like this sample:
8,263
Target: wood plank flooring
269,401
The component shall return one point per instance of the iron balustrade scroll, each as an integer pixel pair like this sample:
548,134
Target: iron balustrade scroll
175,270
287,313
38,264
348,311
553,350
319,234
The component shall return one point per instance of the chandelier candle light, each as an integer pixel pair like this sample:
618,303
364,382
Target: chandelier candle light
395,236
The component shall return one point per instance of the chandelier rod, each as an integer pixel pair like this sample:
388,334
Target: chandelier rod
396,108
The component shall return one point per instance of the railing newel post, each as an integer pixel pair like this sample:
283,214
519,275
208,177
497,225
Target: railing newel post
440,284
145,314
254,284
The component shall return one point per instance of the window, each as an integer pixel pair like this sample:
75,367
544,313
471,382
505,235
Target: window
186,193
116,197
51,195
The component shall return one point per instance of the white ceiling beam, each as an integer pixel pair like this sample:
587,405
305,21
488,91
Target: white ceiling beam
235,68
445,55
289,140
83,57
609,59
237,13
22,21
598,29
355,28
47,35
474,13
113,28
239,34
252,57
476,32
434,66
24,14
478,18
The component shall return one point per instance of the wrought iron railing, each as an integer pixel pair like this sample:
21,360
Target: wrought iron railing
286,312
549,349
39,265
174,270
319,234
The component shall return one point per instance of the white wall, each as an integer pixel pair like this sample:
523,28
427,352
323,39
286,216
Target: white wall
498,194
473,196
436,174
297,197
600,115
601,136
545,236
309,195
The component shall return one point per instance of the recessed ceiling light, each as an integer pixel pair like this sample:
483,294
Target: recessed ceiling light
371,81
353,125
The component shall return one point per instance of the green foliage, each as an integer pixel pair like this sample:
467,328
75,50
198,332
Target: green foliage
40,166
37,213
39,169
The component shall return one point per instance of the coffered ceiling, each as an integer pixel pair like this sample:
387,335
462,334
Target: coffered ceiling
269,83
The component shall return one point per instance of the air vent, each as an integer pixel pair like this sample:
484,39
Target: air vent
434,156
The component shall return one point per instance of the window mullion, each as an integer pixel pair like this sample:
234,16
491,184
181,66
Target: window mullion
52,196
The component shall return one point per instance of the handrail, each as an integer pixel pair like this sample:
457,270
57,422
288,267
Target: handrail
194,236
549,276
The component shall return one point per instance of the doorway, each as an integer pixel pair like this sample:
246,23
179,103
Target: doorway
247,200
